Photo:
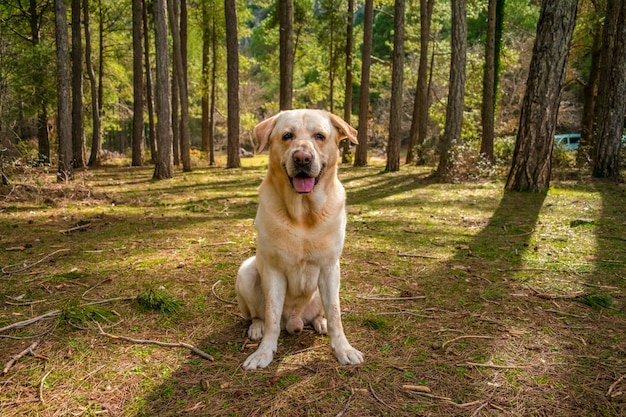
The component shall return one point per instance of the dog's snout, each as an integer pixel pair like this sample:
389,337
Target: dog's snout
302,158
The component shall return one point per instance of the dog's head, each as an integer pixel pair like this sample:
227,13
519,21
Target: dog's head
304,144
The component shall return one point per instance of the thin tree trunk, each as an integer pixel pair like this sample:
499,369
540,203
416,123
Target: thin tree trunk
454,110
138,139
232,52
397,76
96,135
42,114
78,137
531,166
489,93
64,117
181,79
148,71
419,123
347,104
175,116
611,93
206,61
287,52
213,92
360,154
164,166
589,100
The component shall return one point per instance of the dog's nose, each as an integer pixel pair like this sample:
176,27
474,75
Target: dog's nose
302,158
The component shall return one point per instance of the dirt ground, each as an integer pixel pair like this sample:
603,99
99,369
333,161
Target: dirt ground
465,301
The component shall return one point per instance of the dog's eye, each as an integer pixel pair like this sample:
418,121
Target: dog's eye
320,137
288,136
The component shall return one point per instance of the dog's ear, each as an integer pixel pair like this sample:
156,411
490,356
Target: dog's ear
344,129
263,130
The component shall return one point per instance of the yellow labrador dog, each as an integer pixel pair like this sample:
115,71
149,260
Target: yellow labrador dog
294,278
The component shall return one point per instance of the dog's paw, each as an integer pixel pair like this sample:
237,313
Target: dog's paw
320,324
349,356
255,331
259,359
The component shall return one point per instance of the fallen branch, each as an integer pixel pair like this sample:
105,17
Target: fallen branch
417,297
491,365
76,229
8,270
416,255
30,350
217,296
380,400
447,342
547,296
158,343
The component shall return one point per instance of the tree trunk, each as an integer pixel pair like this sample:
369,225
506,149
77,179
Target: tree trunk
78,137
419,123
148,71
589,99
611,93
531,166
175,117
138,139
43,138
64,117
181,79
489,93
454,109
96,135
347,104
206,61
287,52
232,75
213,93
397,75
164,162
360,155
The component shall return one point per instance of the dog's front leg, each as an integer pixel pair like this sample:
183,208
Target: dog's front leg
329,292
274,287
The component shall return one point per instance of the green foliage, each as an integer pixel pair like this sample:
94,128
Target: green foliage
596,300
158,300
81,316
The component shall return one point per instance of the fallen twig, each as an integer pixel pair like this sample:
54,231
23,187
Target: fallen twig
610,392
158,343
380,400
447,342
412,313
41,386
345,408
547,296
491,365
417,297
76,229
416,255
7,269
217,296
28,351
94,287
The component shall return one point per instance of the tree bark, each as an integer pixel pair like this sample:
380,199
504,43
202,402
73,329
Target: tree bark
232,75
43,138
489,92
454,109
164,166
78,137
419,122
397,77
360,155
611,93
589,99
64,117
287,52
531,166
96,135
138,87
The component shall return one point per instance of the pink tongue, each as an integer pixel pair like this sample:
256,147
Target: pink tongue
303,185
